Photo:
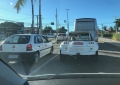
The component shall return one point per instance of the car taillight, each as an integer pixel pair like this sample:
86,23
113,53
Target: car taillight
91,42
66,42
29,47
0,47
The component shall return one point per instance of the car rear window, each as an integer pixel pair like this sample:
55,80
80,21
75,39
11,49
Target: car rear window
17,39
61,34
80,37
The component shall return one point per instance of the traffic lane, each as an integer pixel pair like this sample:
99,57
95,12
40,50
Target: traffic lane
45,58
108,62
23,68
107,47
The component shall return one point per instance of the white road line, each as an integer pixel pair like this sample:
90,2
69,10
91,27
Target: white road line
108,51
43,65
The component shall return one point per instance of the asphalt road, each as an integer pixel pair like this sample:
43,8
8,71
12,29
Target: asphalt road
108,62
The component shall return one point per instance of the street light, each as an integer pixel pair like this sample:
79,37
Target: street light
67,21
40,22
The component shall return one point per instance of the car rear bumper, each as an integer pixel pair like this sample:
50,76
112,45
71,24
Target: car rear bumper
77,53
16,55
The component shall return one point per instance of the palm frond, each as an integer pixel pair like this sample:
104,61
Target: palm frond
19,4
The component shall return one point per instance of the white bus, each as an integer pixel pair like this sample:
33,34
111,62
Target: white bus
87,24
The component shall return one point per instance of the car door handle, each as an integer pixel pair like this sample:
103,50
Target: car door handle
38,46
45,45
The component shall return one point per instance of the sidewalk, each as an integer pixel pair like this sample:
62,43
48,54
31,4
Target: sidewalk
111,42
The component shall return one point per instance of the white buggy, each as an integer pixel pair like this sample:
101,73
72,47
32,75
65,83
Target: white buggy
79,43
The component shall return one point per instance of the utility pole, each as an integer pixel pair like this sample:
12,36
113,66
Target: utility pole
56,20
37,16
40,23
67,21
102,31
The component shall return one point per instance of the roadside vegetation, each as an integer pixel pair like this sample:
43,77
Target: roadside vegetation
116,36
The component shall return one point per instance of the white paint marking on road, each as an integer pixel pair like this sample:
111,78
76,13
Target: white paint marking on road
43,65
108,51
12,62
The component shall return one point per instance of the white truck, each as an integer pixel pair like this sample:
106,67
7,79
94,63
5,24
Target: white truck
87,24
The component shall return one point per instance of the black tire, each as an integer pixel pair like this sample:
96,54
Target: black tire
62,57
51,51
95,57
33,58
36,57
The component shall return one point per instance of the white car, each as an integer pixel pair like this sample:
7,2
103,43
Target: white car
80,43
28,47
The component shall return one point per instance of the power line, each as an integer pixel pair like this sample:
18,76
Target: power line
8,9
105,23
16,19
12,21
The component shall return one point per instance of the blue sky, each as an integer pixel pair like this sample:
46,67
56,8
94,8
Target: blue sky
103,10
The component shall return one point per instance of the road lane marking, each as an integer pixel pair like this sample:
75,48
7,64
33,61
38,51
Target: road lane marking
109,51
12,62
42,65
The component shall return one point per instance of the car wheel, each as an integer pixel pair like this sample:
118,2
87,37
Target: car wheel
36,56
95,57
51,50
62,57
33,58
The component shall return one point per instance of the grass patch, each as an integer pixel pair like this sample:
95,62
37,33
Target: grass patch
116,37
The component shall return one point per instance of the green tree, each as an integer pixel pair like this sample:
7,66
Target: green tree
10,28
111,28
10,25
54,31
21,3
62,30
105,28
47,29
114,28
117,24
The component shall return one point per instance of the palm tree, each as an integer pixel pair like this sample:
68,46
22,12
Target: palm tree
21,3
117,21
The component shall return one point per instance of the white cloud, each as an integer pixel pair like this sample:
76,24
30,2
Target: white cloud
11,3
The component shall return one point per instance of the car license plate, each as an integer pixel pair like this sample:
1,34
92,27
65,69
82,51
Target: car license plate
13,56
78,43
